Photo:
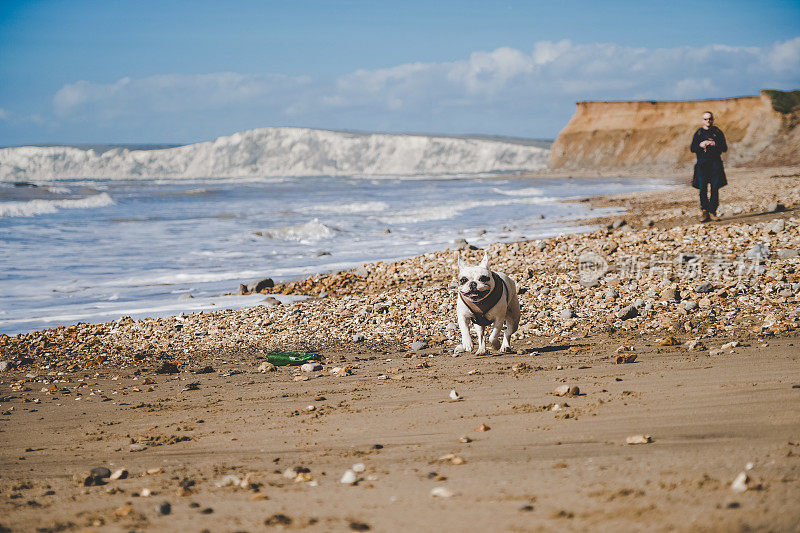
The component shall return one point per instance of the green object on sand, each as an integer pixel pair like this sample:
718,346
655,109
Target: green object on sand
281,358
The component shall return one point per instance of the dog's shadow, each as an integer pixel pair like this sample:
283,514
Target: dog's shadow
547,349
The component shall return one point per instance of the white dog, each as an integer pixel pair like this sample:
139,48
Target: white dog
485,298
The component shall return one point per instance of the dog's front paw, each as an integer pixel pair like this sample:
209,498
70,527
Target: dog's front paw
459,349
495,343
481,351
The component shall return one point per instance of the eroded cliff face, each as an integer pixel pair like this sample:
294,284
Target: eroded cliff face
656,135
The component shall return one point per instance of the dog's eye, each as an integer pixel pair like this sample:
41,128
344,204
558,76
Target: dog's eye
483,279
462,281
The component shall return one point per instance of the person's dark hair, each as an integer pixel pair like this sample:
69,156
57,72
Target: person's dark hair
709,112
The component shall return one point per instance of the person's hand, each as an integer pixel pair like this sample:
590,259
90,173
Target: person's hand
709,142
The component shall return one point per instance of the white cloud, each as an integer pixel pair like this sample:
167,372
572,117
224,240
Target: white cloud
503,90
785,56
173,93
4,114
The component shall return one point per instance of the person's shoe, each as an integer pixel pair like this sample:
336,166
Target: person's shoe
704,216
712,215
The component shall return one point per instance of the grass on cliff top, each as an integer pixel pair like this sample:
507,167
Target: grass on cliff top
784,101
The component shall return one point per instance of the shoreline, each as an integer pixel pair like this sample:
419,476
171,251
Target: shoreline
706,318
92,307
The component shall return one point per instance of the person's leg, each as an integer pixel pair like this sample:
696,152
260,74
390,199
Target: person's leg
704,201
713,201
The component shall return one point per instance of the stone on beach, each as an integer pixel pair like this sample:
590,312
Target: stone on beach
266,366
349,477
441,492
567,390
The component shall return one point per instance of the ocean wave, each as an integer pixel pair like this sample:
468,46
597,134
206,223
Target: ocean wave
269,152
446,212
306,233
42,207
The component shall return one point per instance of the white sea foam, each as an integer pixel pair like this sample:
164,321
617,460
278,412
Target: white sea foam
356,207
40,207
446,212
527,191
278,152
308,232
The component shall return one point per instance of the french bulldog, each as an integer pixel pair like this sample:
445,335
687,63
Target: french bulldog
485,298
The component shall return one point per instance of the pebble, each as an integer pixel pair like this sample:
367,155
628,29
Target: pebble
758,251
266,366
671,294
441,492
453,459
145,493
100,472
358,467
6,365
164,508
231,481
787,253
454,395
359,337
704,287
567,313
695,345
776,226
740,483
137,447
627,313
690,305
482,427
349,478
639,439
310,367
121,473
416,346
341,371
567,390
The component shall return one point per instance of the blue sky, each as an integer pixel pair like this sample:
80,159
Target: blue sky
121,71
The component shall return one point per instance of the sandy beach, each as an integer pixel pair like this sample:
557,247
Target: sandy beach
678,336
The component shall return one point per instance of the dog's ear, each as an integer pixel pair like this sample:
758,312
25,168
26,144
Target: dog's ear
485,260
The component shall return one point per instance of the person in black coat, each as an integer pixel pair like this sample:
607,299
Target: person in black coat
708,144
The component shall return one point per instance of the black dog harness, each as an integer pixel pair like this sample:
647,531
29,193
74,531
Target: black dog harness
481,307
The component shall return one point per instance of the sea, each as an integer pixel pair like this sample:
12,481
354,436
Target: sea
94,250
